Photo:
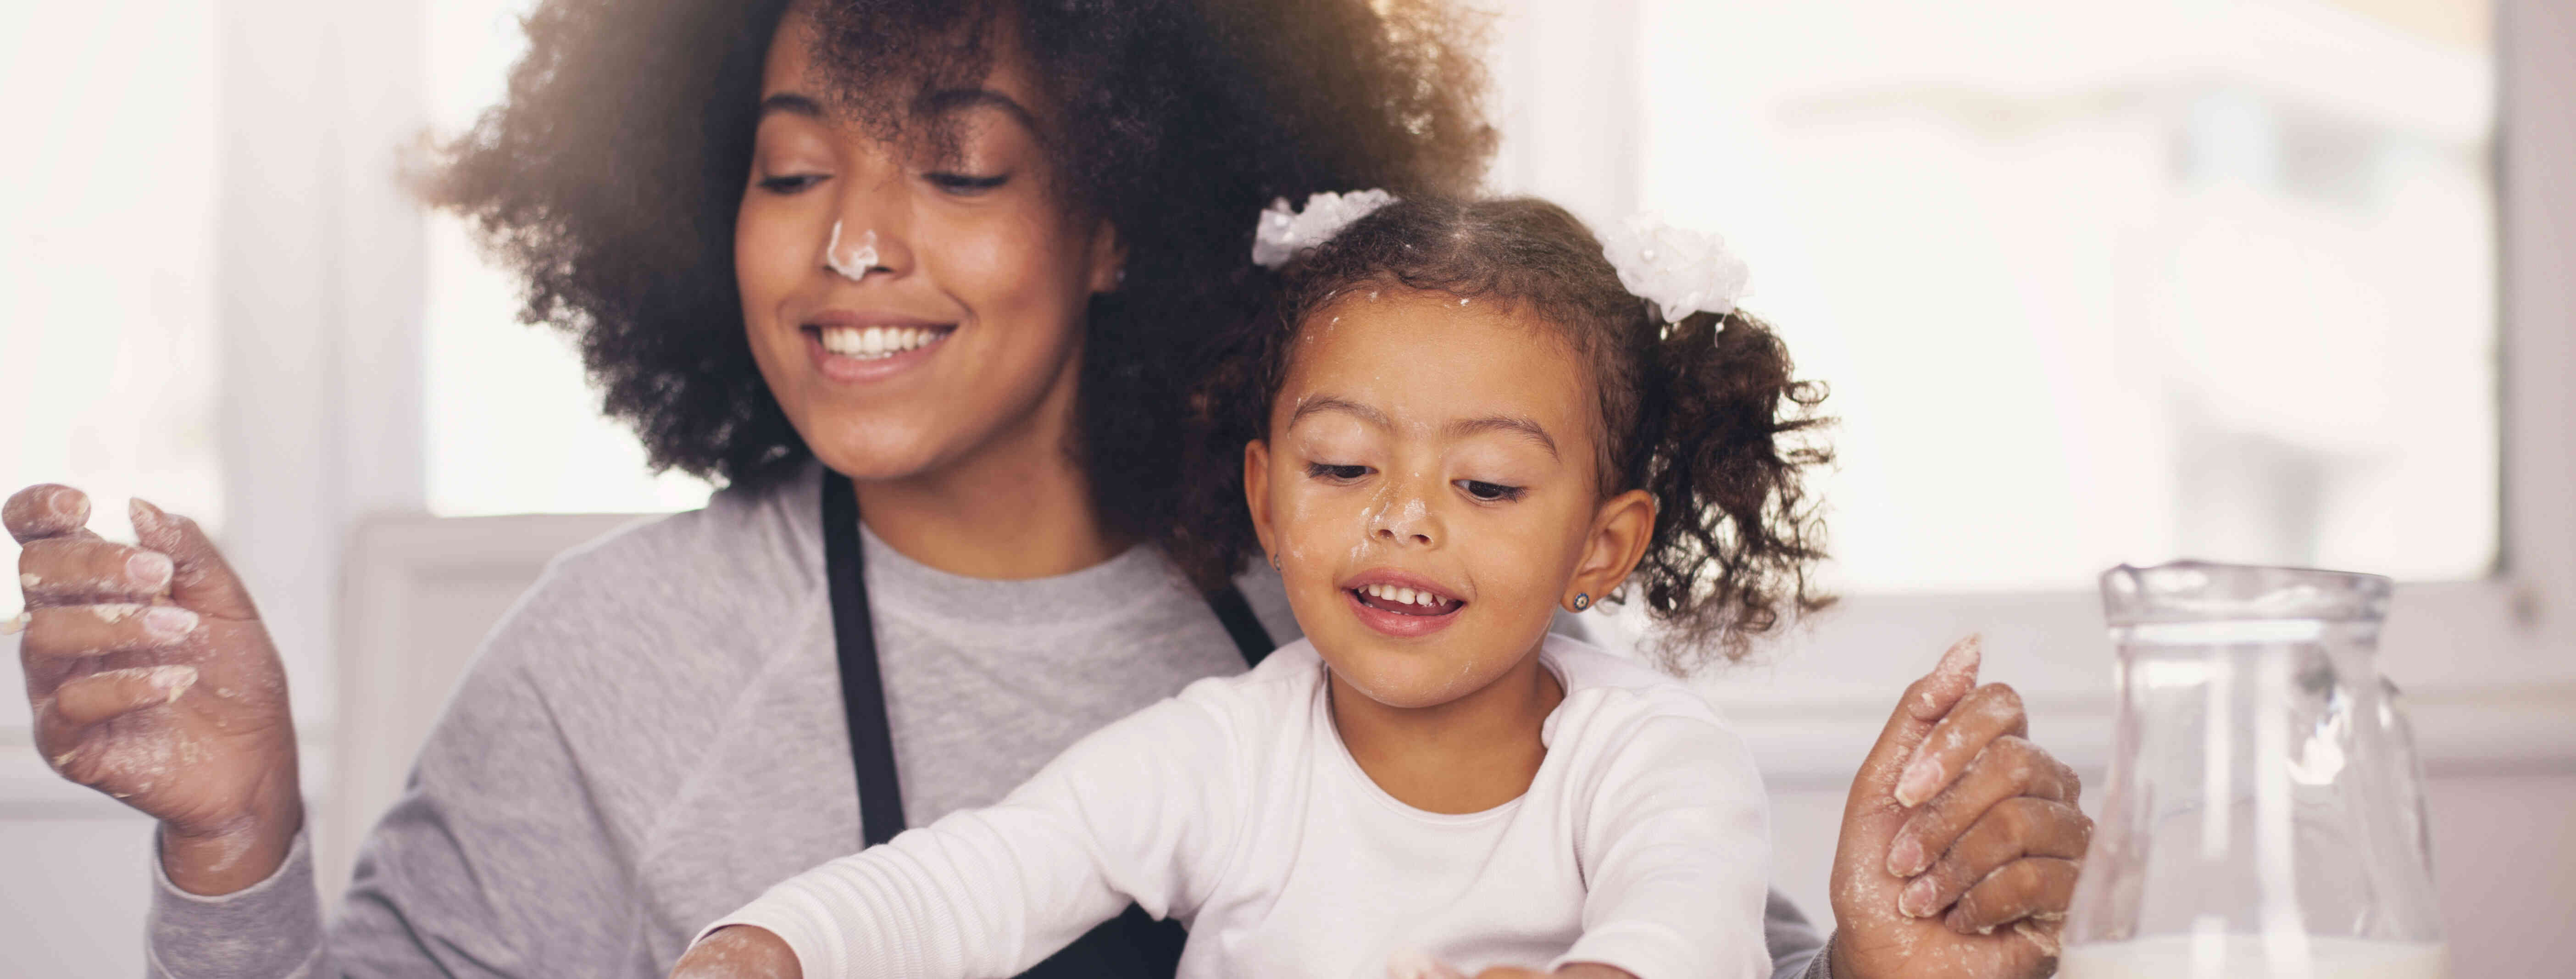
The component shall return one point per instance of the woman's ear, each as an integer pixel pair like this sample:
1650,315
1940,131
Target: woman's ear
1108,258
1621,528
1256,489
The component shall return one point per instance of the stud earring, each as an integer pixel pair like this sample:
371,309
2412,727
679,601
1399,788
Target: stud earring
1274,563
1582,600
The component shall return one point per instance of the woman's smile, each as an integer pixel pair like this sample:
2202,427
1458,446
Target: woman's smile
858,348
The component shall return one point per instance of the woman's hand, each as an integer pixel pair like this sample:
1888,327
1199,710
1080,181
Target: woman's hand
739,952
1960,839
153,681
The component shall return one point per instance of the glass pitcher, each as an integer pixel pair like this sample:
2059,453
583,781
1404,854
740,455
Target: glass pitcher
2265,813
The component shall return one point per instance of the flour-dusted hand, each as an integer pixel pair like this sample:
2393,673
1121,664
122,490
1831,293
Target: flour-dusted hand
152,680
1960,839
739,952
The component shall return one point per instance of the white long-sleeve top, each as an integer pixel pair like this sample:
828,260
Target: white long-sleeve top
1234,807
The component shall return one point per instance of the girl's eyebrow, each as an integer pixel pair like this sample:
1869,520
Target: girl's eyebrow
1325,402
1505,424
1462,428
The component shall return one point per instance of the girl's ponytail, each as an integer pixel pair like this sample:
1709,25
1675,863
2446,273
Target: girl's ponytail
1725,435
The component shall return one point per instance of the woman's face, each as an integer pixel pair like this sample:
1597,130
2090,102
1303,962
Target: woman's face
963,335
1441,452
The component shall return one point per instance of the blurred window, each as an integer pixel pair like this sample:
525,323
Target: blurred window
512,424
2097,282
108,363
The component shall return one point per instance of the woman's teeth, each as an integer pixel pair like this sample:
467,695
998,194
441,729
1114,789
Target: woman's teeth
876,341
1404,596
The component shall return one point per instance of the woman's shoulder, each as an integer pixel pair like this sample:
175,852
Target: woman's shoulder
731,579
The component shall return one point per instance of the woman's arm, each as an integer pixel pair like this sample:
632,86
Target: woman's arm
152,679
492,864
1139,810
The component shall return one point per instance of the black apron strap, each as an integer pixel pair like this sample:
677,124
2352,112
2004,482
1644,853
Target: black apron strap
1250,638
1131,946
862,690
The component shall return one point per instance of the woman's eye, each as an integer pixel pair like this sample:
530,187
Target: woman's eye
1489,492
1333,473
966,184
790,183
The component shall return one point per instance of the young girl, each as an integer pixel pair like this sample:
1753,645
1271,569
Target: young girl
1460,422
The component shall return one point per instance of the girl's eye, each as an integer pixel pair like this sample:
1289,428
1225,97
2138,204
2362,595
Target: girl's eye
966,185
1490,492
791,183
1333,473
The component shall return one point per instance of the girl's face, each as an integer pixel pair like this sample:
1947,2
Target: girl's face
1444,451
967,332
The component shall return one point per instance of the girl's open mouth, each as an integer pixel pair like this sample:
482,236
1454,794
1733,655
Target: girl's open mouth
1404,601
1403,610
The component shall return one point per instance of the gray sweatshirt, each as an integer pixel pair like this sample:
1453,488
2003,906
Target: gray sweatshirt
654,735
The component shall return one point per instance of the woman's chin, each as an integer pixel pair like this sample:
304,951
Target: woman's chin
877,450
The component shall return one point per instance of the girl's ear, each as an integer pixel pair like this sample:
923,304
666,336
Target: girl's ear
1256,489
1108,258
1621,528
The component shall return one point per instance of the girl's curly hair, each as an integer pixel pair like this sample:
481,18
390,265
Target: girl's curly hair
1704,415
610,176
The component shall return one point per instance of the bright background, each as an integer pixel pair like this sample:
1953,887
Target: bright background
2091,282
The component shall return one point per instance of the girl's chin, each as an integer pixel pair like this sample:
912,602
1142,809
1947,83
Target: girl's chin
1413,689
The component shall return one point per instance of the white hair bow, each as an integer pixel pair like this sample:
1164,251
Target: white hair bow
1678,270
1285,231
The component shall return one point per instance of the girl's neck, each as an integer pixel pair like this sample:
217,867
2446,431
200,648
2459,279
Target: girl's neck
1468,755
1018,506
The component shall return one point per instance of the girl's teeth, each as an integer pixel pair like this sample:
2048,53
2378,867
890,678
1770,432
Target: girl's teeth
1403,596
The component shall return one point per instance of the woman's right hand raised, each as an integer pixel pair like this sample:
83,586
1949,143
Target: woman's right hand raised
152,680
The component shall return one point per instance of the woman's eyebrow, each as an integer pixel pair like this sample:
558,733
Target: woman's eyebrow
950,100
792,103
1506,424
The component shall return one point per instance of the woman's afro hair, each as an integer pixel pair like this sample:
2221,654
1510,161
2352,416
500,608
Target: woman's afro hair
610,175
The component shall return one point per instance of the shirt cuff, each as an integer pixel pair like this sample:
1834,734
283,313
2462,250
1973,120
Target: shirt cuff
815,956
1822,966
1651,951
270,929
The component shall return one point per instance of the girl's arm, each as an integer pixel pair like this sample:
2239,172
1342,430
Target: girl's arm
1139,811
1677,856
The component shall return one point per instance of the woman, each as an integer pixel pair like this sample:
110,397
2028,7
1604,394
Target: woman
939,267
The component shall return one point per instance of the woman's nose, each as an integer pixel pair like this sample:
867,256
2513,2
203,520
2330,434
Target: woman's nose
869,235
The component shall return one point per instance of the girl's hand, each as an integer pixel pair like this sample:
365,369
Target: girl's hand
1960,840
153,681
739,952
1414,966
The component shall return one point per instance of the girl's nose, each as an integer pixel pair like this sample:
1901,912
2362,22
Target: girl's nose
1407,520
